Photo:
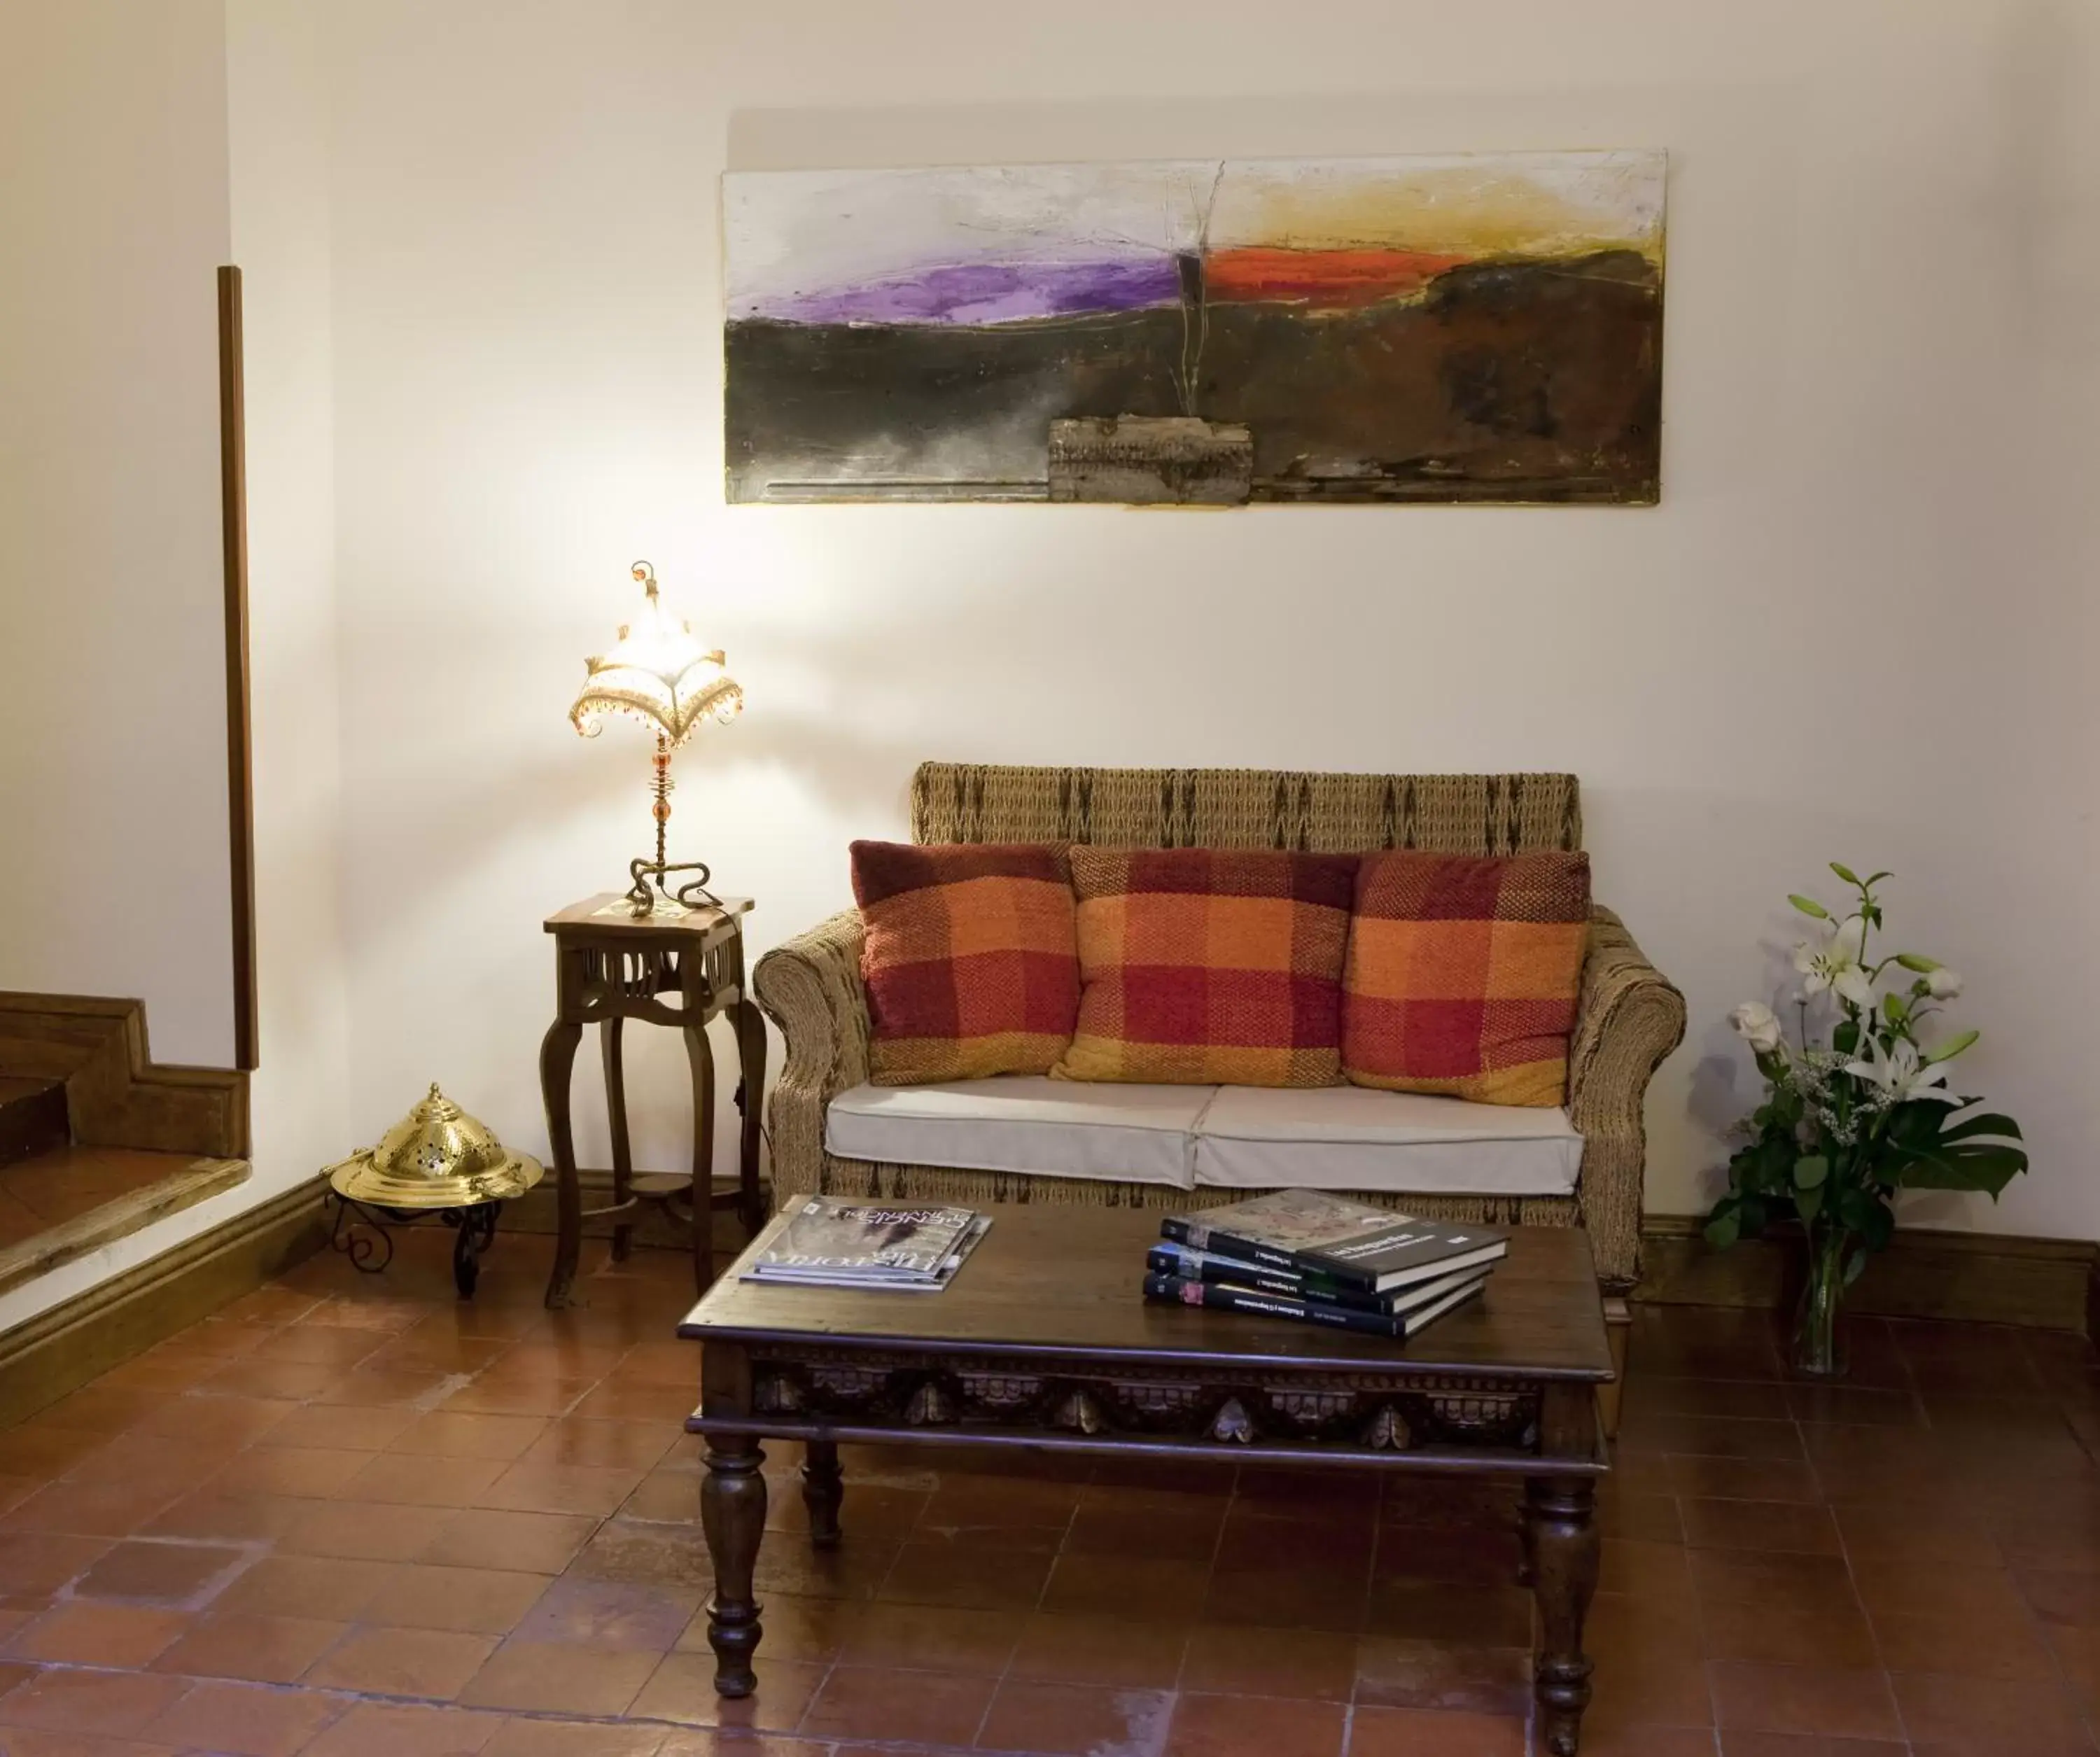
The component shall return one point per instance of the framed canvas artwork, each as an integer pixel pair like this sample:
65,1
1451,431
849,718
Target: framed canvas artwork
1479,327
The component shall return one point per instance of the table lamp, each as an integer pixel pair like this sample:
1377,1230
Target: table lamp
660,674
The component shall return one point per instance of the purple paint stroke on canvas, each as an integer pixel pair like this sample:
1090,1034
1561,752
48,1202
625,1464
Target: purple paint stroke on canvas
986,292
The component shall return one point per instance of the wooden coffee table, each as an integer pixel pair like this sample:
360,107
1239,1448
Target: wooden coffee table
1044,1342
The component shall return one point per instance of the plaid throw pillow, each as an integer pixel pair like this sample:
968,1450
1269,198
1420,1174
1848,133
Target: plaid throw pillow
1462,974
1204,966
970,963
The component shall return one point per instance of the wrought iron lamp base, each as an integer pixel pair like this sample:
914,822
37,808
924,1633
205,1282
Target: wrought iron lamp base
691,894
363,1232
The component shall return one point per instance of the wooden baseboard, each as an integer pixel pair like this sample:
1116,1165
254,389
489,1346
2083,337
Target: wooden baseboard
1977,1277
535,1213
60,1350
117,1095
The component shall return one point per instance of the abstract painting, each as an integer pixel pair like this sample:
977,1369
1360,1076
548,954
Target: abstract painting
1482,327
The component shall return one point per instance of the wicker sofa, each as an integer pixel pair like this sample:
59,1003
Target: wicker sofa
1629,1016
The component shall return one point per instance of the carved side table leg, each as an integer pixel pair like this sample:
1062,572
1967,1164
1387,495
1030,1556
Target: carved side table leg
1562,1527
557,1061
733,1514
823,1487
751,1060
615,1112
702,1060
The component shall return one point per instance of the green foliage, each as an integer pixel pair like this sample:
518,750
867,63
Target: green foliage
1846,1124
1953,1046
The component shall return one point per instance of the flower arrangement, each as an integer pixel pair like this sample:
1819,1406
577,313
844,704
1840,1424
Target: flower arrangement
1849,1120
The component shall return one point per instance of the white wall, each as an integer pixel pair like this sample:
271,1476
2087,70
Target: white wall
113,860
263,60
484,311
278,105
1857,626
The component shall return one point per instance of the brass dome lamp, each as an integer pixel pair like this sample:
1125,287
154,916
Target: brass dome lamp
659,673
436,1160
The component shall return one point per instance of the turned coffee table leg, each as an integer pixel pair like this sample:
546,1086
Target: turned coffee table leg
1561,1531
823,1487
733,1514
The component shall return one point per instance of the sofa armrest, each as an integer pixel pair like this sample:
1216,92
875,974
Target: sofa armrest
1627,1019
810,987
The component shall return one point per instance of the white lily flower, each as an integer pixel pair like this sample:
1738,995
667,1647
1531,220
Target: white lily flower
1835,963
1943,984
1901,1074
1758,1026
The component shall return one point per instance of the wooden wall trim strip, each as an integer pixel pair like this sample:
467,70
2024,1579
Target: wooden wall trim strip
240,762
1977,1277
60,1350
117,1094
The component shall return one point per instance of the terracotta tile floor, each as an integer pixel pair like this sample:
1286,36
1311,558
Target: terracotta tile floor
349,1516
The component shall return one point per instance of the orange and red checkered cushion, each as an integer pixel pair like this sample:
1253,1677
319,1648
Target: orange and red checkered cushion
1210,966
1462,974
970,963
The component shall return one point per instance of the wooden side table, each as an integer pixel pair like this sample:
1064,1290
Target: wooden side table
680,971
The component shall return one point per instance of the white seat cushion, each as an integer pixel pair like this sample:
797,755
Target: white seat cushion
1352,1138
1024,1122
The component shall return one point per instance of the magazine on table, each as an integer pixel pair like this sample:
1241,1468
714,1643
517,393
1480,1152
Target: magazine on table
836,1242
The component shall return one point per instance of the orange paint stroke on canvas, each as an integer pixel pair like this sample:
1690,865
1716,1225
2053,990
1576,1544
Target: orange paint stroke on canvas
1333,278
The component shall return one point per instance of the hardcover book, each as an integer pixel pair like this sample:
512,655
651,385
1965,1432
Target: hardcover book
1167,1258
832,1241
1352,1243
1224,1296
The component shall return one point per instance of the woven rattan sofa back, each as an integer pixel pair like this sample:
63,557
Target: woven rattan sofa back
1245,808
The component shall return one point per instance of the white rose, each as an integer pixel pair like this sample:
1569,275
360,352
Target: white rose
1943,984
1758,1025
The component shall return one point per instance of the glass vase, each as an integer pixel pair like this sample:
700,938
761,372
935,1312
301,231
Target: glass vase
1818,1335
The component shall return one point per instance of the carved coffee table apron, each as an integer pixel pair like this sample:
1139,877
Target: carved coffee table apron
1043,1342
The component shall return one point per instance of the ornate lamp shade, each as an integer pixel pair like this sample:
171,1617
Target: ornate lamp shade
666,679
659,672
436,1157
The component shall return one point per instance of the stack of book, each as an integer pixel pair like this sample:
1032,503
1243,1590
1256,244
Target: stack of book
1321,1258
835,1242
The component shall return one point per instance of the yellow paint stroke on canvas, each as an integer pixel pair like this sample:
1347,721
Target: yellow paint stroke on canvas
1466,208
